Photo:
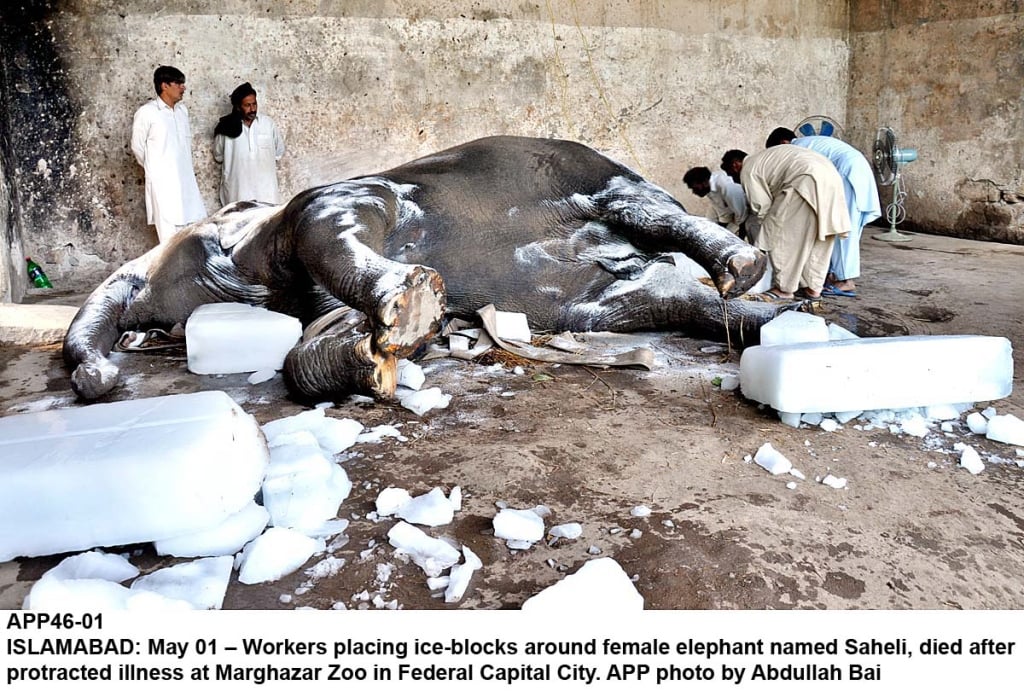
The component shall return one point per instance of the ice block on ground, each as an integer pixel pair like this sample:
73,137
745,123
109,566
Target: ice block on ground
119,473
877,373
231,337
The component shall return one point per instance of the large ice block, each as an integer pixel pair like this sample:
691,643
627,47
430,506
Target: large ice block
230,337
119,473
877,373
794,327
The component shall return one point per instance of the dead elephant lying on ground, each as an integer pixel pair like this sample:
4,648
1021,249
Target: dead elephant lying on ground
546,227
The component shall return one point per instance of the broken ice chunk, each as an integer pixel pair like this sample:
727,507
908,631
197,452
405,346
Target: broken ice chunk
833,481
260,376
390,499
227,338
771,460
202,583
640,511
568,531
94,564
460,575
423,401
429,553
410,375
970,460
599,585
274,554
877,373
125,472
977,423
430,509
1008,429
518,524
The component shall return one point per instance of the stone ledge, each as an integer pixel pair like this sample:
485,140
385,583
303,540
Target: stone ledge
34,324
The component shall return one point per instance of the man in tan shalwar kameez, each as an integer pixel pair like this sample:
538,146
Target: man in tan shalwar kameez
798,195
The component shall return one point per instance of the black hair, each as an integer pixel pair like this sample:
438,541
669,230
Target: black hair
730,156
697,174
165,74
780,135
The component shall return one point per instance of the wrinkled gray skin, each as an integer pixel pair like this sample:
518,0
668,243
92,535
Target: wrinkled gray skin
546,227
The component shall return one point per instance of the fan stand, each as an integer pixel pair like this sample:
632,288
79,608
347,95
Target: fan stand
895,213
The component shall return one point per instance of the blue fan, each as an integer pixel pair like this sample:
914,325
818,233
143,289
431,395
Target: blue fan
820,125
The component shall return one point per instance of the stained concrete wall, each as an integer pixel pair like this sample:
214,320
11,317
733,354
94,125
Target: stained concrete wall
360,85
948,78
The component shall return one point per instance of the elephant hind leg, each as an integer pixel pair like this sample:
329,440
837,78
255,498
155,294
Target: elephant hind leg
332,365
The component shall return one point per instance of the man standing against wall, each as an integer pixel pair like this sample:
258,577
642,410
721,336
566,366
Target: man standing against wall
798,195
249,145
162,144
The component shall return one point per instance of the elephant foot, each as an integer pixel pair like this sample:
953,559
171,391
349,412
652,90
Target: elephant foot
410,314
741,272
93,378
331,365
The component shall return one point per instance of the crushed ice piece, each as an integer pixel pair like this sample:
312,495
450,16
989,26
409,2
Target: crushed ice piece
376,434
812,418
771,460
593,549
845,416
274,554
1008,429
390,499
519,545
260,376
455,497
730,382
640,511
431,554
989,412
942,412
946,427
977,423
410,375
971,461
421,402
829,425
797,474
599,585
461,574
518,370
94,564
635,534
542,510
833,481
791,419
518,524
430,509
567,531
438,582
202,582
791,485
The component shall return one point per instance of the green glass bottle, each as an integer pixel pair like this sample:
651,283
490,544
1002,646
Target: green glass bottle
36,275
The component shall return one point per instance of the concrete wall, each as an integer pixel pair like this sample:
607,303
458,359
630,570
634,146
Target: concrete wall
360,85
948,77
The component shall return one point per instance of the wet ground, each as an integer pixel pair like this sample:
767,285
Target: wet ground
911,530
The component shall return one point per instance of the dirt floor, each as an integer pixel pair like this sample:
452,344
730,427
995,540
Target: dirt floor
911,530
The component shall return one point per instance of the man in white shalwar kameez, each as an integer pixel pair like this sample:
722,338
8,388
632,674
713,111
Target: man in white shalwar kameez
726,196
798,195
862,203
249,145
162,144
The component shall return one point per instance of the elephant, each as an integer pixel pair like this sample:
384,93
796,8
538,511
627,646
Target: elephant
551,228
